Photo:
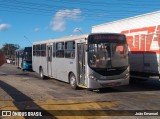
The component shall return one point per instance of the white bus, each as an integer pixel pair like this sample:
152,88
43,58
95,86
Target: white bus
18,57
89,61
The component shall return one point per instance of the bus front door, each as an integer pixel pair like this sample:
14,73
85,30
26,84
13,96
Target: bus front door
81,64
49,60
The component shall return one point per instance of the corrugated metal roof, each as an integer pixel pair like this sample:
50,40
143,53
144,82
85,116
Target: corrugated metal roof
156,12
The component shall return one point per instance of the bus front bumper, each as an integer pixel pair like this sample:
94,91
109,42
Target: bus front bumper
94,84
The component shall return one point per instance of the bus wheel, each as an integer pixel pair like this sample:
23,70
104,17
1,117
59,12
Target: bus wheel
73,82
41,73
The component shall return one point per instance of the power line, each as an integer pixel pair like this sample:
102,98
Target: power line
48,10
44,6
27,39
51,11
106,3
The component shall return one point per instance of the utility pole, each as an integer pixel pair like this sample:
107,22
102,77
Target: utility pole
77,29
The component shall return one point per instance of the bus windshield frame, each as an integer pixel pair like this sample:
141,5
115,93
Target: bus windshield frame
106,51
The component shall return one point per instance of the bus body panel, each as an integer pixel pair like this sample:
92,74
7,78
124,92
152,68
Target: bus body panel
69,65
39,62
63,66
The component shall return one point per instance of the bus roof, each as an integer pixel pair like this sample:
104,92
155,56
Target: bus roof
25,48
28,48
19,50
66,38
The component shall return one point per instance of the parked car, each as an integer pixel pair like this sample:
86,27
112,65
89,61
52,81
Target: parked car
9,61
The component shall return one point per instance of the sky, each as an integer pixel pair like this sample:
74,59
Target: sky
23,22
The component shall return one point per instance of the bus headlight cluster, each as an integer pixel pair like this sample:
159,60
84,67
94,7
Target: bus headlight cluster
92,77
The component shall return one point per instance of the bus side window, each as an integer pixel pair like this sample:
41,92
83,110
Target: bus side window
38,50
54,49
34,50
70,49
60,49
43,50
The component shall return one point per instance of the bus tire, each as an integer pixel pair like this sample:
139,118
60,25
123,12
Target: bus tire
41,73
72,81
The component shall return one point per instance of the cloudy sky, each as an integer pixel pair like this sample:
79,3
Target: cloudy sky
4,27
25,21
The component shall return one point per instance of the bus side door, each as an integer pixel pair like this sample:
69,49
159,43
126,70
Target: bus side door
81,63
49,60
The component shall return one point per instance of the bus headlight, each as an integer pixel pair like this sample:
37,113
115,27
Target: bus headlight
92,77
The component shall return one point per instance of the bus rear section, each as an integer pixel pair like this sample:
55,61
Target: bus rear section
27,59
23,58
107,60
18,57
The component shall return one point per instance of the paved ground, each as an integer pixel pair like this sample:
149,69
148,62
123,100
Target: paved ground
25,90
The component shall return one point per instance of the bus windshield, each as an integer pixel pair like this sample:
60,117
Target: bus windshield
107,51
27,53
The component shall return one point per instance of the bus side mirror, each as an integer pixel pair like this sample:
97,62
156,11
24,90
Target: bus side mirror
86,45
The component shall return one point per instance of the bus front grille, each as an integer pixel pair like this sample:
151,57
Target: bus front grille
111,71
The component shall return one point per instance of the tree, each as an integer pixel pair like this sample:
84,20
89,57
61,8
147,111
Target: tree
2,58
9,50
